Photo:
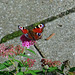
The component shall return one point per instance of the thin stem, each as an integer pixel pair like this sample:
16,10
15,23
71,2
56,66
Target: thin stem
43,56
13,64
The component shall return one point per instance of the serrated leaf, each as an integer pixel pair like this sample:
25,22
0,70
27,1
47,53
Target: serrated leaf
31,51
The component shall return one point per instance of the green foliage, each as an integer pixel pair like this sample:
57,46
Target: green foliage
31,51
72,69
20,73
50,69
5,64
20,64
5,73
25,56
37,71
31,72
62,67
11,36
59,71
44,70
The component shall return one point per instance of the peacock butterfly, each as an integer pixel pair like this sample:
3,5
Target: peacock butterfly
34,33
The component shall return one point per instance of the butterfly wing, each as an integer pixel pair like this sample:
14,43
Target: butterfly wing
39,28
35,33
38,31
25,31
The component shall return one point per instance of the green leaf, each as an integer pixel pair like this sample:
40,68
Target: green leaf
30,72
5,73
50,69
5,64
44,70
72,69
2,66
25,56
20,73
31,51
62,67
10,57
16,60
8,63
60,71
20,64
36,71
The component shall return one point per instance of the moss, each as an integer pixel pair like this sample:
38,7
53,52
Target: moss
17,33
11,36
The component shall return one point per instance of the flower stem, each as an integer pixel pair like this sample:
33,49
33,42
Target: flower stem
13,64
42,55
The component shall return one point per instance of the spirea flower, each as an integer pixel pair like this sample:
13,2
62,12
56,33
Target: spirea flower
18,50
10,50
50,63
30,62
26,42
6,50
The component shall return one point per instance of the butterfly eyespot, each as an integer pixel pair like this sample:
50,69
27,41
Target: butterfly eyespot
38,34
34,33
41,25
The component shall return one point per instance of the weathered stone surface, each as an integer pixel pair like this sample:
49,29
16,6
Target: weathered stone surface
62,45
25,12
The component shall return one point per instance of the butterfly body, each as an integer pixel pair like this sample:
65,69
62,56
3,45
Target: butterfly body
33,34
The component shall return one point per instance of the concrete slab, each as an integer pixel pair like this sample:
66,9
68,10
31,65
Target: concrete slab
25,12
62,45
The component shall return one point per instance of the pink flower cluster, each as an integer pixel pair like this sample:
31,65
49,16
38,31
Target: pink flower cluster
30,62
6,50
10,50
26,42
18,50
50,63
